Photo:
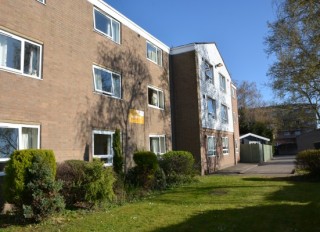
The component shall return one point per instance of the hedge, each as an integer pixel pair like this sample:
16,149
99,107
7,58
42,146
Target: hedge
309,160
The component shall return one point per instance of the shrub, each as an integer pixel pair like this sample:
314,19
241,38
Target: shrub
143,174
16,170
85,183
178,166
42,196
309,160
117,153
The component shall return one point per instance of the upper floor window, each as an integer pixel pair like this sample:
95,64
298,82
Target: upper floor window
154,53
102,146
208,70
211,146
224,114
158,144
155,97
16,137
42,1
20,55
211,107
107,82
107,25
223,84
233,92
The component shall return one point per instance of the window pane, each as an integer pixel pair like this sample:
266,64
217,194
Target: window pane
116,31
10,52
161,100
222,83
151,52
162,145
102,23
31,59
154,145
8,141
159,57
116,85
152,97
208,70
29,138
102,144
210,145
212,107
103,80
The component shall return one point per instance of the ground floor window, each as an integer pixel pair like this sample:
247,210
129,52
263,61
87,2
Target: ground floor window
102,146
225,145
17,137
211,146
158,144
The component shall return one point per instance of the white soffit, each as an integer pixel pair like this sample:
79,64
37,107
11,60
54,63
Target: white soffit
124,20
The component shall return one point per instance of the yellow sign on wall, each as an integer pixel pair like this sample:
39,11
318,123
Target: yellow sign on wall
136,116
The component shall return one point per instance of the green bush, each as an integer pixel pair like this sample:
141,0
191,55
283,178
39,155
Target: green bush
16,169
42,197
146,171
85,184
309,160
178,166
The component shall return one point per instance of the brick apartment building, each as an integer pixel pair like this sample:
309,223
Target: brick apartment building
205,113
71,74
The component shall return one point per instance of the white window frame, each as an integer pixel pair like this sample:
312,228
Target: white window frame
223,84
159,145
225,150
111,94
103,132
159,98
20,145
42,1
208,67
233,92
214,102
22,54
224,119
212,152
112,20
158,50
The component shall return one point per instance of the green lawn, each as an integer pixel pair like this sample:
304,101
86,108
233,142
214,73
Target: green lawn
215,203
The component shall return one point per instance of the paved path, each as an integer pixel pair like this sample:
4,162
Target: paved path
279,165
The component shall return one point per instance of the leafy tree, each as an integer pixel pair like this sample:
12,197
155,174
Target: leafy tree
295,41
117,153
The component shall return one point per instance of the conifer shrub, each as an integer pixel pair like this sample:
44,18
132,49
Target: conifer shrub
309,160
117,153
16,173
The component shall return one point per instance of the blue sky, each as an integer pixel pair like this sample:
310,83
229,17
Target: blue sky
237,26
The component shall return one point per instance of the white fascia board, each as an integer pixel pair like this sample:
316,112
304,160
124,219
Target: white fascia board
254,135
124,20
182,49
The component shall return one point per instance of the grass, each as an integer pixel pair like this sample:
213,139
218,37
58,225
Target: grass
215,203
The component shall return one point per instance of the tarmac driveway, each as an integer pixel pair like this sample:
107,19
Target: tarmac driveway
279,165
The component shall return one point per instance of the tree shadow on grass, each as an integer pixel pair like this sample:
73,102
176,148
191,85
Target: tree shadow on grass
293,207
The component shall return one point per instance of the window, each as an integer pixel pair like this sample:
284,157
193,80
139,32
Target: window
158,144
16,137
225,145
211,146
208,70
154,53
107,82
155,98
211,104
224,114
102,146
42,1
20,55
223,85
233,92
107,25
